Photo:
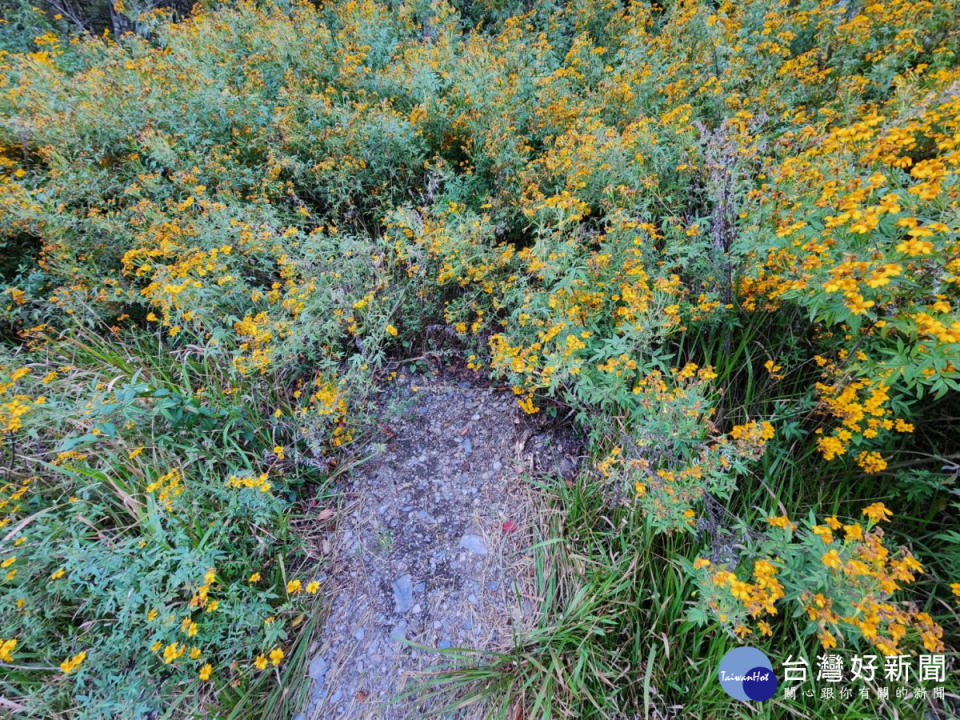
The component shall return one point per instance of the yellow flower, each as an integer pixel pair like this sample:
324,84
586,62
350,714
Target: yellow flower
831,559
205,672
293,587
276,655
853,532
278,451
254,578
391,330
6,649
877,512
260,662
781,521
313,587
700,563
71,664
171,652
58,574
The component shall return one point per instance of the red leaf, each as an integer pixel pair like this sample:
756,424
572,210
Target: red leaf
509,526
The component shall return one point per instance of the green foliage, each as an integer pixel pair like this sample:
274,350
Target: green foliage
724,237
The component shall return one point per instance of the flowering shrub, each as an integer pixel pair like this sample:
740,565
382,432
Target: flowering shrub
843,577
725,236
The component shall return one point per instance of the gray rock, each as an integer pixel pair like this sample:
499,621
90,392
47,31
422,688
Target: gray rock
403,593
473,543
317,669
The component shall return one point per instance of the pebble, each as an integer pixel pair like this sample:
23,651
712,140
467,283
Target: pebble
473,543
403,593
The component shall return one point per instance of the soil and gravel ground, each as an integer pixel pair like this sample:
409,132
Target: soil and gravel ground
433,547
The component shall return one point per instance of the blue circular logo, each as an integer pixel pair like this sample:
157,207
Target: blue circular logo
746,674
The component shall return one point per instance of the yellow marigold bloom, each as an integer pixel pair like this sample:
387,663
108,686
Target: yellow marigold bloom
955,587
254,578
293,587
260,663
781,521
58,574
391,330
205,672
278,451
700,563
827,640
877,512
171,652
6,650
831,559
313,587
853,532
212,607
71,664
823,532
871,462
194,653
276,655
8,562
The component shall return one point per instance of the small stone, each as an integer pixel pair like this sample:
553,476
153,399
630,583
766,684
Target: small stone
358,634
467,445
318,668
403,593
473,543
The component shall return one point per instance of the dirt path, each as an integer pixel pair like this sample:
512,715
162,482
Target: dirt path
433,548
